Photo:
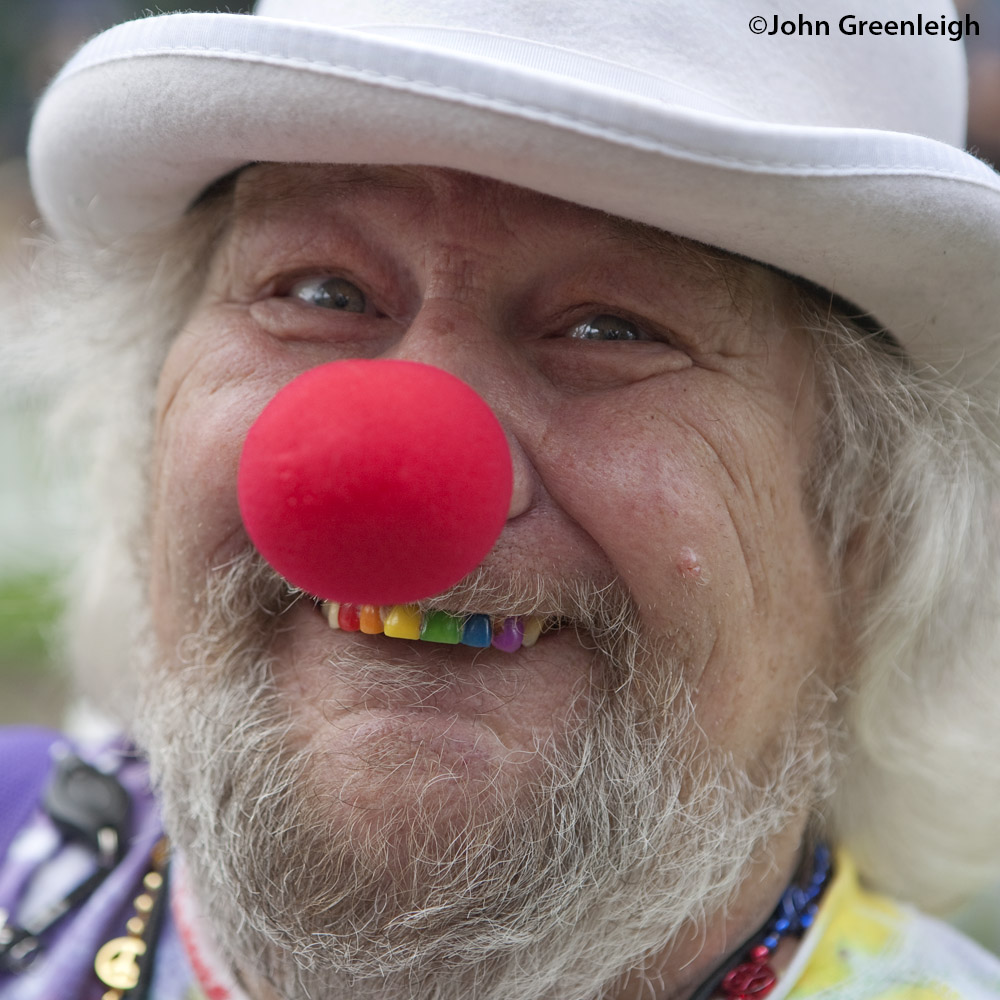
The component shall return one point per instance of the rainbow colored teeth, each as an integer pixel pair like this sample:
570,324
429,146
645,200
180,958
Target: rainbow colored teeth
510,636
407,621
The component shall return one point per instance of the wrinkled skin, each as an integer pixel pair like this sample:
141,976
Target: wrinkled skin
672,463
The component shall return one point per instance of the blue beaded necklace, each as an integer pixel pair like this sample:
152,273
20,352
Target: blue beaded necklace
747,974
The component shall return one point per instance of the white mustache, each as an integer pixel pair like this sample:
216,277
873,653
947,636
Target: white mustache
247,591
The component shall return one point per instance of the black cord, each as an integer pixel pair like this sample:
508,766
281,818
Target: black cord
710,985
151,935
820,879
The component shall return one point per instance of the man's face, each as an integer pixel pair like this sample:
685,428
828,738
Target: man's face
660,410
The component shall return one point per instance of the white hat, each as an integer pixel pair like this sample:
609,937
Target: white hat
832,155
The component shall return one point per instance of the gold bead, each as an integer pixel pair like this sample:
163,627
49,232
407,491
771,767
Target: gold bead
143,903
135,926
153,881
117,963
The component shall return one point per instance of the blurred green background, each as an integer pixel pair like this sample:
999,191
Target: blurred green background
36,499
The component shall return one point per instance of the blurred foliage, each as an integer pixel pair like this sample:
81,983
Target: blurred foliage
32,689
29,609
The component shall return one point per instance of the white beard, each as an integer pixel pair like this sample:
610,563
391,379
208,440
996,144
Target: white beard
634,832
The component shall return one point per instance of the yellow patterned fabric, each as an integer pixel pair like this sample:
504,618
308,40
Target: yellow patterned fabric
867,947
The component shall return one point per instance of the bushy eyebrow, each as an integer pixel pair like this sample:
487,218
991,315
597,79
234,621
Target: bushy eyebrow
679,249
255,190
739,276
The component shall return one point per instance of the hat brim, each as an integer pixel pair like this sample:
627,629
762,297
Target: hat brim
151,112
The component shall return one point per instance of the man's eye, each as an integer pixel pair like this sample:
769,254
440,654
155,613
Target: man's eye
606,327
330,293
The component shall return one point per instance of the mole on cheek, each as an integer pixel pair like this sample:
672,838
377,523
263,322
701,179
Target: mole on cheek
688,564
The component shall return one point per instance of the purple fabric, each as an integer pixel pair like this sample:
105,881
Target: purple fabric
65,970
24,768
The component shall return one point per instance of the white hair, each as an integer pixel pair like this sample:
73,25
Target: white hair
903,485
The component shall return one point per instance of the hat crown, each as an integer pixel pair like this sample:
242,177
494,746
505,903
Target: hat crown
790,149
705,52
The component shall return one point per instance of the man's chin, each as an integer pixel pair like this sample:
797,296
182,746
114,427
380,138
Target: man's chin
418,826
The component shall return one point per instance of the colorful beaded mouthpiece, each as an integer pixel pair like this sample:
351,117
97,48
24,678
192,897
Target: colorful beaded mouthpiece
407,621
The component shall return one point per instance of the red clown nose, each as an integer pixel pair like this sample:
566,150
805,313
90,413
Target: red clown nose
375,482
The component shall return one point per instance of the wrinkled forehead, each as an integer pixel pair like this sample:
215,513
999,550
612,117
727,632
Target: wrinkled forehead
261,189
268,193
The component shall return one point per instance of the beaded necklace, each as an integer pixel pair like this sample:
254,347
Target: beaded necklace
125,964
747,974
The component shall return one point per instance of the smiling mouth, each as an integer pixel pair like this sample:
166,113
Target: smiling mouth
407,621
